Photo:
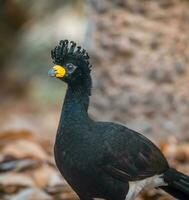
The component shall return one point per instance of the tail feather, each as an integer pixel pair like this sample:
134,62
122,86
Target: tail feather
181,186
175,192
178,184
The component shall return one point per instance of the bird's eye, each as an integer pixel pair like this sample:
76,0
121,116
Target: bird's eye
71,68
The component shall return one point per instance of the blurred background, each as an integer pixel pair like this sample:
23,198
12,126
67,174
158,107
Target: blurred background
139,50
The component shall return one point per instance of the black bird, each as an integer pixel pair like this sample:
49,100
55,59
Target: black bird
103,159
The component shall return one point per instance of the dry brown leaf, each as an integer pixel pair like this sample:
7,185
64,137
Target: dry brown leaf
11,135
12,182
169,147
67,196
31,194
182,152
17,165
58,188
25,149
46,175
47,145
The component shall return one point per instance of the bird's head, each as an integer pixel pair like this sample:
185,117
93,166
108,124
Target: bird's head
71,63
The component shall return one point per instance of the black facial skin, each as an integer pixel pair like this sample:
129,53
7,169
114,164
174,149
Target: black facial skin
73,74
70,68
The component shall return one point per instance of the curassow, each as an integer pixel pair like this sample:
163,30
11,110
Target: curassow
103,159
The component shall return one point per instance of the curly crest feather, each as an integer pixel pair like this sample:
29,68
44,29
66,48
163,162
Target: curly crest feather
65,50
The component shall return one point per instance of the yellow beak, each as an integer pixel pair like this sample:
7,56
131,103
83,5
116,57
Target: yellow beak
57,71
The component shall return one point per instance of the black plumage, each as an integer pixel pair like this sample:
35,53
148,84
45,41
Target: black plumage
102,159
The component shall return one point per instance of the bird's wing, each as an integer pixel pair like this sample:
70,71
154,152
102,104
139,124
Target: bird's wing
130,156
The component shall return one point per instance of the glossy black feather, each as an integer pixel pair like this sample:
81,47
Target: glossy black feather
178,184
129,155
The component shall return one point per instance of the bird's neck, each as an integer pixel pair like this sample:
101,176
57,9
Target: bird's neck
76,102
74,112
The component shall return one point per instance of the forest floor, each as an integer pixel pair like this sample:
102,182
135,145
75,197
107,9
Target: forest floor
28,171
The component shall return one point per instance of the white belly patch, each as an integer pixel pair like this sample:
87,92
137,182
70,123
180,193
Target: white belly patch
137,186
